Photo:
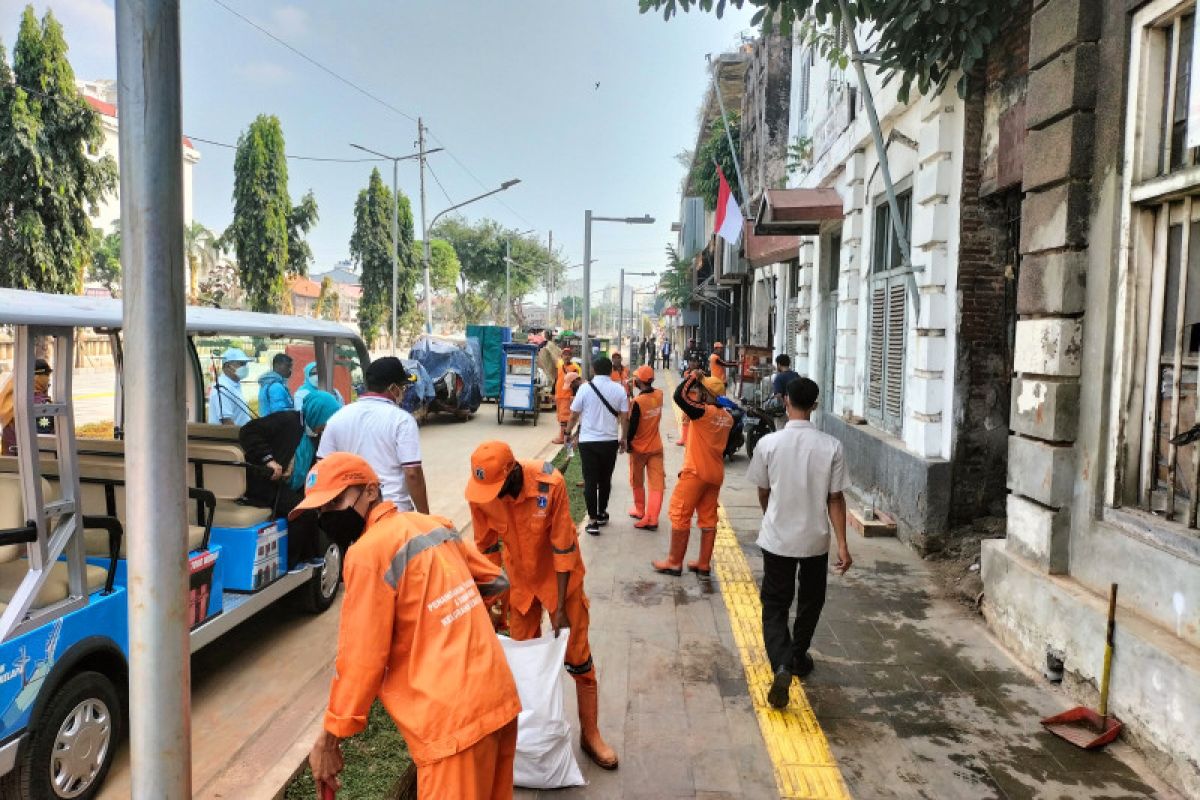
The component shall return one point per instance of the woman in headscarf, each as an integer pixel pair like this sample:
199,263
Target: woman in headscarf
310,385
283,448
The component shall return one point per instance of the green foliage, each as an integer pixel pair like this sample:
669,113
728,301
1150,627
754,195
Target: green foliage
104,266
444,266
799,154
51,173
377,764
327,301
267,232
715,148
202,250
675,284
572,309
922,42
371,250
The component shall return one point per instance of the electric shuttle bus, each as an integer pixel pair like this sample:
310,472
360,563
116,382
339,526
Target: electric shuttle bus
63,605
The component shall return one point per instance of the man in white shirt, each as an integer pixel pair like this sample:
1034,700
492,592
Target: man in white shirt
386,436
601,409
800,474
226,405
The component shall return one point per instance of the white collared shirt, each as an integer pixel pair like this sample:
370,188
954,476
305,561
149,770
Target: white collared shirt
801,466
225,401
384,435
597,423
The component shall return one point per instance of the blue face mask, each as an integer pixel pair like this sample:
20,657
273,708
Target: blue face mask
312,380
242,372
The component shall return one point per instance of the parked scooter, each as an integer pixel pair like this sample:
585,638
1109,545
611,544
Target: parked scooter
737,436
764,417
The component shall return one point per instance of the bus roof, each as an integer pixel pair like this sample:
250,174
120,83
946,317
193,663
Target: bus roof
19,307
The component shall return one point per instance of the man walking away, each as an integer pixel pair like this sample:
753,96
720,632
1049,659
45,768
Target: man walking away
600,409
646,451
415,634
784,374
666,354
375,427
699,486
273,393
800,474
226,406
521,513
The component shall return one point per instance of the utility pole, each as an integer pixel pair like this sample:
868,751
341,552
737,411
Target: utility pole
395,246
587,294
424,230
550,282
507,270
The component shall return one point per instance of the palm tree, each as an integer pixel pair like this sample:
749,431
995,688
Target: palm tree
202,249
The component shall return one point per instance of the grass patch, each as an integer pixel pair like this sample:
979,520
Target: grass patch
574,475
95,430
376,761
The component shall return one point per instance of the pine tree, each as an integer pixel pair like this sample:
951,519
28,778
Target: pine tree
51,177
370,248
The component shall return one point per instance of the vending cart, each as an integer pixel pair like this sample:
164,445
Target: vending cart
519,383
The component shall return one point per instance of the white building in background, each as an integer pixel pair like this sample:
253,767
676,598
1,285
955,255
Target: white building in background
101,95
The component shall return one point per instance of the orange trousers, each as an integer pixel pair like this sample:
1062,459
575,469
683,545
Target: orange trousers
484,771
694,496
650,467
564,408
522,627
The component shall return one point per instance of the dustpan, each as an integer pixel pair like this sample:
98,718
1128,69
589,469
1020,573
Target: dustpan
1081,726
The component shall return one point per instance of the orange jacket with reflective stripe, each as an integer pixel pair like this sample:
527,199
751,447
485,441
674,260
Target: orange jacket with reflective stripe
561,389
414,633
536,535
647,439
716,367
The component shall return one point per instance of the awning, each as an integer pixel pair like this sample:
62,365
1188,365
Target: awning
796,211
761,251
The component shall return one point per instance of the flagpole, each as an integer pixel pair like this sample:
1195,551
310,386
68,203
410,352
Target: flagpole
737,164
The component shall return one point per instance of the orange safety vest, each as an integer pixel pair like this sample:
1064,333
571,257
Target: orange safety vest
414,632
561,389
716,368
704,456
620,376
536,536
648,439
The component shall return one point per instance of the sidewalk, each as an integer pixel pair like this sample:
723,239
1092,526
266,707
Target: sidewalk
912,696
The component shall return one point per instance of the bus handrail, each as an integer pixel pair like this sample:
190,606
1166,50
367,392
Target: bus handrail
115,533
25,535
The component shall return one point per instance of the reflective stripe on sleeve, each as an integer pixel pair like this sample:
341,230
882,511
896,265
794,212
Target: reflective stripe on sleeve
414,547
579,669
558,552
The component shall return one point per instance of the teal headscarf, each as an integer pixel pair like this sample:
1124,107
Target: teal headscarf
318,408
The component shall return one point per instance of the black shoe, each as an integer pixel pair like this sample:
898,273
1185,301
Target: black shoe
781,687
803,667
602,519
593,528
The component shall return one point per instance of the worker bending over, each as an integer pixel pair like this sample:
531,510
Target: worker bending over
646,451
521,509
566,376
414,633
699,486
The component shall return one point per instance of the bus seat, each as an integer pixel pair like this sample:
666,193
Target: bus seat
203,431
56,586
96,541
231,514
12,514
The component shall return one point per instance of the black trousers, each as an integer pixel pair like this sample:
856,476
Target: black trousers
598,460
786,578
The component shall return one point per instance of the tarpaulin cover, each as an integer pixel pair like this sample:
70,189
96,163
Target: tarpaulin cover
418,394
491,339
438,356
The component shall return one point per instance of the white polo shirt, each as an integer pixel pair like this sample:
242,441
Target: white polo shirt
384,435
597,423
801,466
225,401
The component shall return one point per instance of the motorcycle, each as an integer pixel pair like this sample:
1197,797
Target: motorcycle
737,436
764,417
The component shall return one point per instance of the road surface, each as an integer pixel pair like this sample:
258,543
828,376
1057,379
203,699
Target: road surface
257,694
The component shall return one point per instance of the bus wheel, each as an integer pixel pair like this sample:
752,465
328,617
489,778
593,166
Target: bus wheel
74,742
322,589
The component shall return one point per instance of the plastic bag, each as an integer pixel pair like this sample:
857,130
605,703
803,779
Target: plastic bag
544,759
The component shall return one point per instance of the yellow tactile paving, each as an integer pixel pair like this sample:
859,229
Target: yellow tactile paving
804,765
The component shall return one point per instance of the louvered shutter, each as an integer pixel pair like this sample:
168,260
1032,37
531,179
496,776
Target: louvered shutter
893,405
877,346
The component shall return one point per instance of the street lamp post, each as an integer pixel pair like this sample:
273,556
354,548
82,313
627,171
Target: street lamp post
396,218
588,219
621,304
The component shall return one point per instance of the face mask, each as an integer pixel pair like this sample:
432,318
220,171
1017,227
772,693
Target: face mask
345,525
312,381
242,372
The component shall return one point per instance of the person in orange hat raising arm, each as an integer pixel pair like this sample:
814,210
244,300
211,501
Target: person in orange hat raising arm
699,486
717,365
646,473
521,510
414,633
563,395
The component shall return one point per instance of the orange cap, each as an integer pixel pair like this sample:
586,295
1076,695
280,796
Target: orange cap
644,373
331,476
717,345
490,464
714,385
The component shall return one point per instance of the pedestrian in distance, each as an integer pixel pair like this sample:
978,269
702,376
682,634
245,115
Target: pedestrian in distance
311,383
41,394
376,428
414,633
273,392
698,490
563,394
600,409
800,473
784,374
666,354
620,372
646,474
226,405
521,514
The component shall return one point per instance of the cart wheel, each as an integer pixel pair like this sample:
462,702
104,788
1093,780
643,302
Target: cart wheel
499,414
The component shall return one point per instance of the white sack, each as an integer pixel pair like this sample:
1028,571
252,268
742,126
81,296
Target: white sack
545,759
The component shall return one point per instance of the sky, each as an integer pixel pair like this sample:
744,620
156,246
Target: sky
508,87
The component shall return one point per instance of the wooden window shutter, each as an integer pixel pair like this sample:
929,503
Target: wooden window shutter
894,385
875,379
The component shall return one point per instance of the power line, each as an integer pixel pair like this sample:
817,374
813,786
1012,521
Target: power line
439,183
315,63
328,159
475,178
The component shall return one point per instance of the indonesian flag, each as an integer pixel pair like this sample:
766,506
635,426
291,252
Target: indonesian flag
729,216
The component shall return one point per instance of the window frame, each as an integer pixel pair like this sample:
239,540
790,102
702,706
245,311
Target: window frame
891,277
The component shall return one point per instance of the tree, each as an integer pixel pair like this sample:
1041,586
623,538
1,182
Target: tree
267,233
201,247
444,266
675,284
922,43
52,175
104,266
715,148
371,251
327,301
572,308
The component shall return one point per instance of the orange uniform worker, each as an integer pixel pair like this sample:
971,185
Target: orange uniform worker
567,374
717,364
620,372
699,486
414,633
521,509
646,473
